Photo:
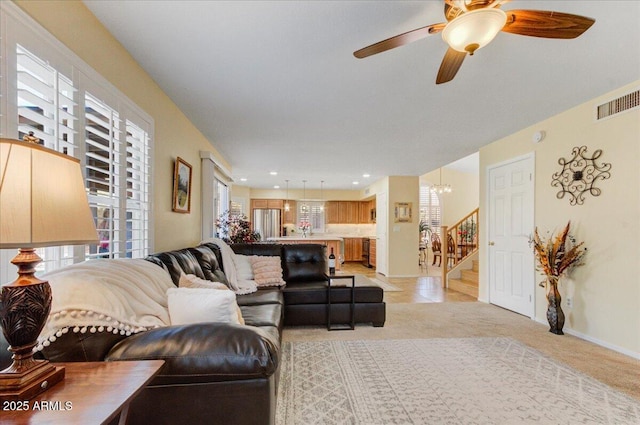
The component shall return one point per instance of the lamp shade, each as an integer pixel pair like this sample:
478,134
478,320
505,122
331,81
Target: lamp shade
474,30
43,201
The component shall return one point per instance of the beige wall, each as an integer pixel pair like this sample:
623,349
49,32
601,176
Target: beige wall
403,238
75,26
464,197
606,291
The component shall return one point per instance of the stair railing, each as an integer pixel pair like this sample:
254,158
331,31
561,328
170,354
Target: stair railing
459,242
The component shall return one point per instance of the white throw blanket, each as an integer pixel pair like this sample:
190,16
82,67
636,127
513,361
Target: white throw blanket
239,286
122,296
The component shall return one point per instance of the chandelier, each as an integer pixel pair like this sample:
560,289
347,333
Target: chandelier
441,188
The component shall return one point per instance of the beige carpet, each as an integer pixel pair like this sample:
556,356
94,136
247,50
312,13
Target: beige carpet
475,319
439,381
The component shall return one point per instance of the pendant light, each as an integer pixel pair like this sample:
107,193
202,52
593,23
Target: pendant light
442,188
321,196
287,207
304,208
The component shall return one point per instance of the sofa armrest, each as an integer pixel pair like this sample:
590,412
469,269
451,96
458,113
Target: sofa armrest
203,352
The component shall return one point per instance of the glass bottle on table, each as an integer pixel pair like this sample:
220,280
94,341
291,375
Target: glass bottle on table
332,262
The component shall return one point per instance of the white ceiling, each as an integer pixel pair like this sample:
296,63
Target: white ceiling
275,87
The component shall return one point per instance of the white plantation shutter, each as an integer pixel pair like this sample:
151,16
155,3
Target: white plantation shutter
314,215
47,90
102,162
45,103
138,186
430,210
45,108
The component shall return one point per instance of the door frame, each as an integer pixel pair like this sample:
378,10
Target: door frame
487,220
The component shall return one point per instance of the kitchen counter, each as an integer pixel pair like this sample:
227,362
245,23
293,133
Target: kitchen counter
308,238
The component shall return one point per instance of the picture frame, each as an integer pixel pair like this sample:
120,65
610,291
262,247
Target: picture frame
182,186
402,211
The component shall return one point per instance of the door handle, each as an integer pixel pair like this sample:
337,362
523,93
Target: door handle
492,243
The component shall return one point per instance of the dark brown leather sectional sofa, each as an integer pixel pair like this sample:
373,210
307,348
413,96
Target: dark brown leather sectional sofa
222,373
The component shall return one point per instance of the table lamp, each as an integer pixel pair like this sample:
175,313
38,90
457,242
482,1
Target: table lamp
43,202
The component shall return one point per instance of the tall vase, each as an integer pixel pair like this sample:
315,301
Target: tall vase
555,315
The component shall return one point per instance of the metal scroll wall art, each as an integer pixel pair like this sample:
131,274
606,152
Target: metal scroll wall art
579,175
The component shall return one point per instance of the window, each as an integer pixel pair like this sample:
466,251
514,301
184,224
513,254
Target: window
312,212
45,109
430,211
221,202
50,92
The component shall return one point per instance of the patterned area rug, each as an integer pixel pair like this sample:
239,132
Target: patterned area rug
439,381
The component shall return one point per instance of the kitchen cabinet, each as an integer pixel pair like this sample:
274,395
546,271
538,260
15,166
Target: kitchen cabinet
331,212
372,252
352,249
290,217
267,204
364,212
348,212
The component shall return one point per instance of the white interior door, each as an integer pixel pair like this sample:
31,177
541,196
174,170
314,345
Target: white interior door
510,223
382,224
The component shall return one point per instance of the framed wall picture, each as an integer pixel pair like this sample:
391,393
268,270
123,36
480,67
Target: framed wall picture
182,186
402,212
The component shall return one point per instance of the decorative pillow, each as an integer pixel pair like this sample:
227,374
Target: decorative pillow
193,281
243,267
197,305
267,271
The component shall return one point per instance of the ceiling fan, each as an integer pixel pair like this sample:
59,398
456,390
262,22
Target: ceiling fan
472,24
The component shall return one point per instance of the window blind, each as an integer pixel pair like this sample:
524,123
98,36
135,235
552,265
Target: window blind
430,211
47,90
138,184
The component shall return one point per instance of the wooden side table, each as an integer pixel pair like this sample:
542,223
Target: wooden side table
91,393
352,308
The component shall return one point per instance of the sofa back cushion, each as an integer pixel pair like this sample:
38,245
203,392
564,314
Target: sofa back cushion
304,262
177,263
208,257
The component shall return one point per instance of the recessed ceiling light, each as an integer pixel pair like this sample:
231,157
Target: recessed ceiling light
243,179
356,182
276,187
274,173
366,176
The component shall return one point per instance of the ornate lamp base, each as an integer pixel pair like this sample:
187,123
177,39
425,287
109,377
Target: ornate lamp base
24,307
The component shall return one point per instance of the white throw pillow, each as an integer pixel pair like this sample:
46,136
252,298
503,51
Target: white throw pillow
197,305
243,267
193,281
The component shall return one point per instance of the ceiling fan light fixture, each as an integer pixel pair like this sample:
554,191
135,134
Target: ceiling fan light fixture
474,30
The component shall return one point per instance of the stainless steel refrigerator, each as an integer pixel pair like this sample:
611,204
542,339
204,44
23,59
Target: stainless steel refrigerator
267,222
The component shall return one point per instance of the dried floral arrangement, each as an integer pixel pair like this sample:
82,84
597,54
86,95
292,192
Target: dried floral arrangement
557,254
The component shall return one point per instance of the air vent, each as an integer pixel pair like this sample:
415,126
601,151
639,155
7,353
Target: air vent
621,104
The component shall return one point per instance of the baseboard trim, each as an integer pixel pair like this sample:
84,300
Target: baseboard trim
597,341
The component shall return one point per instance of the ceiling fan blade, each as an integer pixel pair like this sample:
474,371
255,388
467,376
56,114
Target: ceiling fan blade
450,65
399,40
546,24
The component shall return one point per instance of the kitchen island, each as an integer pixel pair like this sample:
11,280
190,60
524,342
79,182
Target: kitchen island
328,241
